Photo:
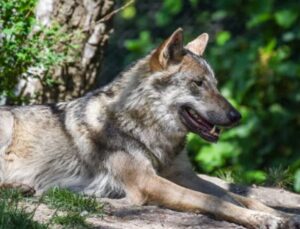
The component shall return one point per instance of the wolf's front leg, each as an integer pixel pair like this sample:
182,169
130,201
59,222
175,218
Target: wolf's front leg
143,186
181,173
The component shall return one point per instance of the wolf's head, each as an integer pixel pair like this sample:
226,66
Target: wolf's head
181,89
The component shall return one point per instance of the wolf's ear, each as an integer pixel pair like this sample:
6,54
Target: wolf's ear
170,51
198,45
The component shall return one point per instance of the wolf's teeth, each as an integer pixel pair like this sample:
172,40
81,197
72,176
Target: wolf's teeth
213,131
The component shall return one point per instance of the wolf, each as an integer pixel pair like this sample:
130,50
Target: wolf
128,139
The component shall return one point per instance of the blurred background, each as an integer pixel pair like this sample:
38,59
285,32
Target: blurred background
254,50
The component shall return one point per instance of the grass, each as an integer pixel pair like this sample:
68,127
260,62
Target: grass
14,216
226,175
71,209
280,178
66,200
275,177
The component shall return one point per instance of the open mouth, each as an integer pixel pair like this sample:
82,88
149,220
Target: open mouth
199,125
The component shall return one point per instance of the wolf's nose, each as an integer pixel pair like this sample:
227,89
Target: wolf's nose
234,116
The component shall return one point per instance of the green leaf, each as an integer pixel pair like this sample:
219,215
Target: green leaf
258,19
139,45
173,6
162,19
194,3
219,15
285,18
214,156
129,12
297,181
255,176
223,37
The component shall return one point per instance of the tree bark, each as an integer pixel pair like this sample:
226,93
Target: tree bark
73,78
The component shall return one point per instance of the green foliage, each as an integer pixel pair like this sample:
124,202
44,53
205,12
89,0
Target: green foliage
64,199
297,181
14,216
129,12
71,210
253,51
286,18
78,207
24,43
279,177
222,37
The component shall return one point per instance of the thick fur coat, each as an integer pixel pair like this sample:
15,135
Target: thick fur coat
128,138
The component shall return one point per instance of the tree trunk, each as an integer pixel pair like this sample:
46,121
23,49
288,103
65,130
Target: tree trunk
72,78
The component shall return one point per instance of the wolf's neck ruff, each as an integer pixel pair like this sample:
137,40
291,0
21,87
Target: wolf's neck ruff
137,109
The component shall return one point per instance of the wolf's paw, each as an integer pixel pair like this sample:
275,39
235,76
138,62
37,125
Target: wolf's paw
267,221
293,222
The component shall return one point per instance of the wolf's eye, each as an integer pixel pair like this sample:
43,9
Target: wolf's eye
198,83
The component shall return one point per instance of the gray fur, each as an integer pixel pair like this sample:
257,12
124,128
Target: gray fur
70,144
